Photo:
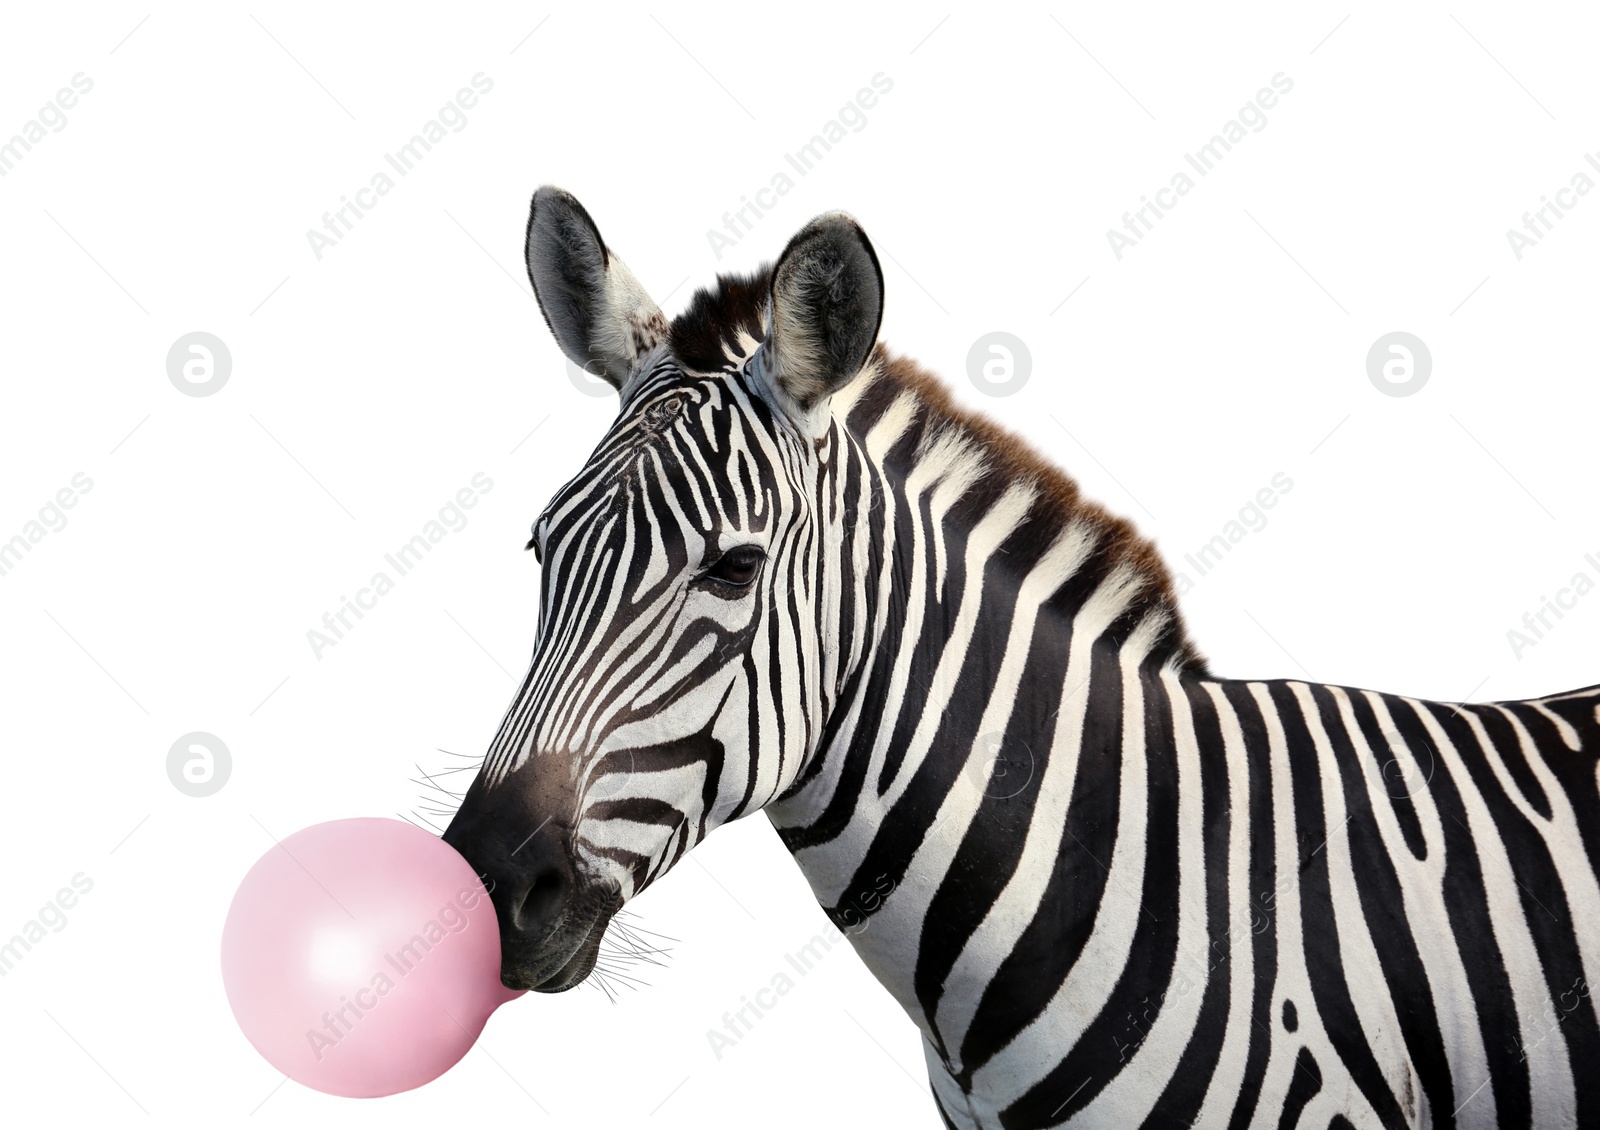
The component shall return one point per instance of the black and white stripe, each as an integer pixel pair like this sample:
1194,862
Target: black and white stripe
1120,891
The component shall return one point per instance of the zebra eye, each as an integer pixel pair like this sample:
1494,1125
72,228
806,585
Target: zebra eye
737,567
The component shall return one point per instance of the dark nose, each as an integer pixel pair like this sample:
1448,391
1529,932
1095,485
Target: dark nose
531,886
527,868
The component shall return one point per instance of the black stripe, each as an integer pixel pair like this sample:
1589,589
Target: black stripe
987,857
1323,951
1180,1101
1263,904
1303,1087
1468,910
1049,946
1148,981
1395,938
1549,917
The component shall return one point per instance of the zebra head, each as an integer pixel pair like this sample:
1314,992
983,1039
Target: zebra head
685,650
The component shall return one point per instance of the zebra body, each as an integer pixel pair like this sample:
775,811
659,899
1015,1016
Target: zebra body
1129,875
1109,888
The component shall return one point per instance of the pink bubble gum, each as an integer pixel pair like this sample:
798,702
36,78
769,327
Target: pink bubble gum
362,957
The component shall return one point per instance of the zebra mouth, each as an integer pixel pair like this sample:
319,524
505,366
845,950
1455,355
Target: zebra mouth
562,961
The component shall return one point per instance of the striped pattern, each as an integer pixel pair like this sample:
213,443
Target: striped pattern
1182,900
657,692
1122,892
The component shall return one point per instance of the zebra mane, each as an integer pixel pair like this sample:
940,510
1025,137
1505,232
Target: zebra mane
709,335
714,333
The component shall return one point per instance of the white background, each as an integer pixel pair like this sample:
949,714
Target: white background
368,386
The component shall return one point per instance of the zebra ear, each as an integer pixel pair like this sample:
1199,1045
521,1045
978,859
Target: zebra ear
600,315
824,311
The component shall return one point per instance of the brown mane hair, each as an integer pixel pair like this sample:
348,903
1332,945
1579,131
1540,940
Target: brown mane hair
705,338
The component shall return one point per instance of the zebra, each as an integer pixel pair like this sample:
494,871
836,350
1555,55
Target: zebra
1110,887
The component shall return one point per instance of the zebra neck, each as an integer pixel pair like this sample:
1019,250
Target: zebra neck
972,598
993,632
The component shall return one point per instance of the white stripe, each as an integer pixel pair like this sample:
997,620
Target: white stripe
1548,1066
1293,981
1422,895
982,544
1009,915
1563,839
1031,1055
1129,1097
1227,1078
1358,956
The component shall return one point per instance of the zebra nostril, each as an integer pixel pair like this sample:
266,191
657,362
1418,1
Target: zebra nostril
542,904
